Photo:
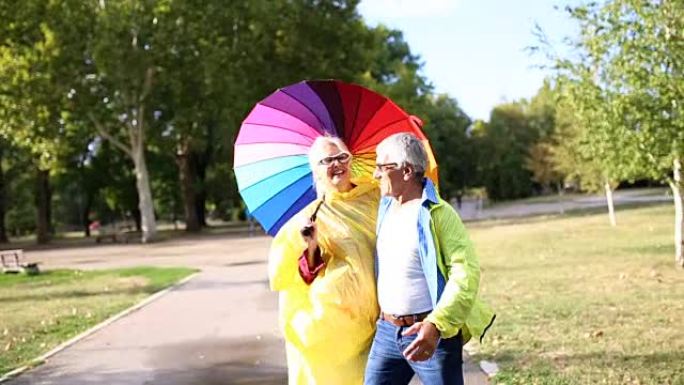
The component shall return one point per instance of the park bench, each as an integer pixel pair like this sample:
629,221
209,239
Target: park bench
114,236
113,233
13,262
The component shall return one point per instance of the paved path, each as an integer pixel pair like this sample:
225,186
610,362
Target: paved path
219,328
472,210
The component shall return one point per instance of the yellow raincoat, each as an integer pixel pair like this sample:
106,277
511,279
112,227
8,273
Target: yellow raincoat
329,325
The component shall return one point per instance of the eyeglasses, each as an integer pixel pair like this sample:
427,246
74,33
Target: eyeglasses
342,157
386,166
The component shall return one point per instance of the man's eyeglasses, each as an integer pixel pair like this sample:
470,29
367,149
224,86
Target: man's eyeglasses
386,166
342,157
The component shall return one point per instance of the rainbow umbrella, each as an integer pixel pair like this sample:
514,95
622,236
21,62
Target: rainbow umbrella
271,151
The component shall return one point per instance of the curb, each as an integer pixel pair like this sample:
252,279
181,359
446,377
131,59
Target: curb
487,368
41,359
490,368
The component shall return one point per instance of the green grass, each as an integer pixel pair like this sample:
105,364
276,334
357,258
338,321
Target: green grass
40,312
579,302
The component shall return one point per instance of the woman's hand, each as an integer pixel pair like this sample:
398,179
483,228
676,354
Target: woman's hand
309,234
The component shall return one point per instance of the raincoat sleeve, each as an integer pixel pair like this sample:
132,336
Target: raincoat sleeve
463,271
283,258
309,273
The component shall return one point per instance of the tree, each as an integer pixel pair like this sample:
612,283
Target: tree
5,150
540,160
122,64
634,51
601,147
394,71
447,127
40,51
222,58
502,145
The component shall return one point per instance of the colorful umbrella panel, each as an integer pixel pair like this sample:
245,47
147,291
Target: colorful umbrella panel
271,150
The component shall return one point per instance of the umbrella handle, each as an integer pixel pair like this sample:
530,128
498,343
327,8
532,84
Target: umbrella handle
313,216
306,231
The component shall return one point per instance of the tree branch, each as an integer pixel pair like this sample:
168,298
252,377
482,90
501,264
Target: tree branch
105,134
147,85
147,88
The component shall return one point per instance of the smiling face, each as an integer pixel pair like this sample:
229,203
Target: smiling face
333,168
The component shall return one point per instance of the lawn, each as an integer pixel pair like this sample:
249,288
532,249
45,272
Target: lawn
40,312
579,302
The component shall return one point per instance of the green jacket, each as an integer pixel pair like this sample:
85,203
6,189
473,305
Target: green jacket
451,267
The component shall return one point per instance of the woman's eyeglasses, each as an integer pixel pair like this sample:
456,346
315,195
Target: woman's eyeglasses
342,157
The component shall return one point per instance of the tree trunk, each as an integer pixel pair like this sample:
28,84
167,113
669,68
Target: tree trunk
204,159
186,173
3,229
137,219
145,203
175,212
609,199
200,207
42,200
676,186
561,192
85,214
201,162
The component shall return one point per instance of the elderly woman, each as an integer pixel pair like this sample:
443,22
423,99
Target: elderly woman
322,263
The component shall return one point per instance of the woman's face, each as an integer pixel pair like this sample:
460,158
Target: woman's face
334,167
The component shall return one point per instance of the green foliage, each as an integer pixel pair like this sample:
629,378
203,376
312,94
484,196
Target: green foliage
83,84
20,217
540,160
41,47
446,126
394,71
503,145
626,86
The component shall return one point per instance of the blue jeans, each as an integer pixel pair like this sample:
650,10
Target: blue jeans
388,366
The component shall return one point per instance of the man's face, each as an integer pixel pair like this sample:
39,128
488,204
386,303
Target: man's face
392,177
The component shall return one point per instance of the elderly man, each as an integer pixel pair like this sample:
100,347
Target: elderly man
427,275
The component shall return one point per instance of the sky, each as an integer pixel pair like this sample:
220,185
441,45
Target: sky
475,50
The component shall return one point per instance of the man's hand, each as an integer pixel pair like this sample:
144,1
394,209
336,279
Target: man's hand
423,347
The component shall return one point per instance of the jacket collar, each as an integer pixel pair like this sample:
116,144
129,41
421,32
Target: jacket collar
429,192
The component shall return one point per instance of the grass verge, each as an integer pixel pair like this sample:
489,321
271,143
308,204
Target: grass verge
40,312
579,302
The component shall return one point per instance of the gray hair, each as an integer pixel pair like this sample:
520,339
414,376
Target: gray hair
405,149
316,154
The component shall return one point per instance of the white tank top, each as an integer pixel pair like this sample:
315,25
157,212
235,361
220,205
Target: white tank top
402,288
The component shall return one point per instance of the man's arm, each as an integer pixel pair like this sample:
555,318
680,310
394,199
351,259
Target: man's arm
463,273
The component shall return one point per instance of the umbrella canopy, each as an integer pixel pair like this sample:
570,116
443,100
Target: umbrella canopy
271,151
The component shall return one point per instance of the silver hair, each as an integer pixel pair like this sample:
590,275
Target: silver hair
316,155
405,149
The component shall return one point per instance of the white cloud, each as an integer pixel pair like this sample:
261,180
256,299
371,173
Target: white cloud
384,9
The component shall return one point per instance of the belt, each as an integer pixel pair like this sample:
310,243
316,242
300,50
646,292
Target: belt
403,320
